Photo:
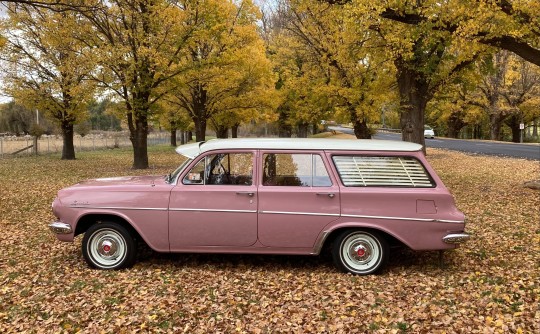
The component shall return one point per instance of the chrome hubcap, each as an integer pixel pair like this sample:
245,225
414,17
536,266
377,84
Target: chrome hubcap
107,248
360,251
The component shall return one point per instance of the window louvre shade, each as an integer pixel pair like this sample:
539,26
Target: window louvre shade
366,171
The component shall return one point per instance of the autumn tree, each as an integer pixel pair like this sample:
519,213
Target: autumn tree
338,49
229,78
433,41
173,120
456,107
138,45
510,25
46,68
521,92
18,120
301,87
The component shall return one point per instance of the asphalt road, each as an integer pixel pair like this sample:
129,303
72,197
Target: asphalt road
526,151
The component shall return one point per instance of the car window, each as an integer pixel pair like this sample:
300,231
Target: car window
294,170
382,171
222,169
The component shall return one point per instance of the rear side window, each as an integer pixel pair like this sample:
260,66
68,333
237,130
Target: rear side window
382,171
295,170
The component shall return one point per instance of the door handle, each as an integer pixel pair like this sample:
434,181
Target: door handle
248,193
331,195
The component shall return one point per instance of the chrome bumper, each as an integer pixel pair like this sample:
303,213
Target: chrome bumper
456,238
60,228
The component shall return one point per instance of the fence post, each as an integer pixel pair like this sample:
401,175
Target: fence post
35,140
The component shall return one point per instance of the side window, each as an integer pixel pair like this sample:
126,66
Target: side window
382,171
294,170
222,169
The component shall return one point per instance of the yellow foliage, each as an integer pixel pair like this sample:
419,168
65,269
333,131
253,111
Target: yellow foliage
228,78
45,63
328,64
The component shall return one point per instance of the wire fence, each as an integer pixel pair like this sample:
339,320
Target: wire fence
21,146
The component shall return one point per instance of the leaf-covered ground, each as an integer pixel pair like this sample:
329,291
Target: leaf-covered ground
492,284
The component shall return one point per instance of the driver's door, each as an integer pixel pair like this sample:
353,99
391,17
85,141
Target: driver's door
215,203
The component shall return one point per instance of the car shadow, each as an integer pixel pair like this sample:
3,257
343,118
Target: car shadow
400,259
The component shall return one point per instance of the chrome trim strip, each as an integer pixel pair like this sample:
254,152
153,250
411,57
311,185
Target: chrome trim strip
320,243
450,221
301,213
405,218
115,208
60,228
456,238
213,210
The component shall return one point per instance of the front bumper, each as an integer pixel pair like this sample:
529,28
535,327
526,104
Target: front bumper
60,228
456,238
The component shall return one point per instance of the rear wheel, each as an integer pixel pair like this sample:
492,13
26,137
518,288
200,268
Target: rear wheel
109,245
360,252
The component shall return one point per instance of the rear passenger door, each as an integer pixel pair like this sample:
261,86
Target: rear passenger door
298,197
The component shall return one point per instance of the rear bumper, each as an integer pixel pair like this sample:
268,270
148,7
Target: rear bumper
60,228
456,238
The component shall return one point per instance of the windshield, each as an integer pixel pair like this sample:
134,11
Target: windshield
172,176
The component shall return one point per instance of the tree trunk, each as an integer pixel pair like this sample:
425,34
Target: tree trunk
455,123
535,128
199,116
234,130
139,140
284,129
413,98
189,136
516,134
68,150
182,137
200,129
495,121
360,127
173,137
35,142
513,122
222,132
361,130
315,127
138,135
303,130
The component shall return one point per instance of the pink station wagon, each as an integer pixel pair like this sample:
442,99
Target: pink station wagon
268,196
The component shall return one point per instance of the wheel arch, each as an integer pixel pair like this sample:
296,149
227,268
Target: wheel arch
90,219
331,235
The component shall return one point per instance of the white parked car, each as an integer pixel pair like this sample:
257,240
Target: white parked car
428,132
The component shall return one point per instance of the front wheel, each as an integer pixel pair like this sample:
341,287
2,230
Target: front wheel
360,252
108,246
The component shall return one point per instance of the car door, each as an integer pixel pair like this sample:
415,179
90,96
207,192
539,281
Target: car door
215,202
298,197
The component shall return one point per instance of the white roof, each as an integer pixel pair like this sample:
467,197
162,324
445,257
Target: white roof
194,149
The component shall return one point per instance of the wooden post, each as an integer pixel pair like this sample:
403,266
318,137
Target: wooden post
35,149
